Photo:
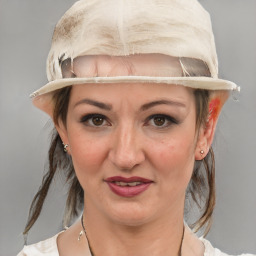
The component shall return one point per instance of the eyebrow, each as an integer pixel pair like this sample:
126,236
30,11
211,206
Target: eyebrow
161,102
94,103
143,107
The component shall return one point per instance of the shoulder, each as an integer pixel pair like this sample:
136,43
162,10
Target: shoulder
47,247
211,251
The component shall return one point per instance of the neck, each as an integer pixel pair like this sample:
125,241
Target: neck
159,237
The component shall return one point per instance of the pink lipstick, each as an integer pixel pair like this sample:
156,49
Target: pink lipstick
128,187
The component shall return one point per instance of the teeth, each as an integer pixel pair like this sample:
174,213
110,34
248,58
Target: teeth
130,184
123,183
134,184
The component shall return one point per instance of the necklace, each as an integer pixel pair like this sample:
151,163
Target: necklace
90,249
82,222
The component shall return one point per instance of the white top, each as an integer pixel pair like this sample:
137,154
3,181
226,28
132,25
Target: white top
49,247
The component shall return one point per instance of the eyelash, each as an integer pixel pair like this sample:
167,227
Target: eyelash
87,120
169,120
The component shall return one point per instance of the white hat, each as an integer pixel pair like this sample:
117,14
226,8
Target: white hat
177,28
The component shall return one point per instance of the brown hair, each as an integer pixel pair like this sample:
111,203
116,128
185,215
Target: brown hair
201,188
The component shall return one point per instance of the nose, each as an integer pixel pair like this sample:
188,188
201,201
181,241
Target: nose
126,151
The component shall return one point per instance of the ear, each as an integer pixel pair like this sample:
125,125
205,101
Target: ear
205,138
62,131
207,131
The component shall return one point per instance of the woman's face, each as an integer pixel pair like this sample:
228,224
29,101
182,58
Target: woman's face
133,147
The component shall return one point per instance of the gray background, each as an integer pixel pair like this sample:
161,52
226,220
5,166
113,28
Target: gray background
25,32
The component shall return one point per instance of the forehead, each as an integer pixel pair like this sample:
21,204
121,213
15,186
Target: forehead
134,95
135,65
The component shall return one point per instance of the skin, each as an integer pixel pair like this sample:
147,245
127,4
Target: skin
128,141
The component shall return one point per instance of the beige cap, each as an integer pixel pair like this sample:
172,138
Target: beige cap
177,28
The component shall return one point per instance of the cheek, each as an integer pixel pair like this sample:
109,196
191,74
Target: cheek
87,153
174,157
88,160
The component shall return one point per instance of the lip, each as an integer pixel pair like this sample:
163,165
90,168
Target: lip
130,179
128,191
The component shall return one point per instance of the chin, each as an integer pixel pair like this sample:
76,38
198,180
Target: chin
131,216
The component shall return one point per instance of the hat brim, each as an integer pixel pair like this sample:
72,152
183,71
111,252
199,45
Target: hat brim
206,83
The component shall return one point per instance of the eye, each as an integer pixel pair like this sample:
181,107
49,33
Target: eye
161,121
94,120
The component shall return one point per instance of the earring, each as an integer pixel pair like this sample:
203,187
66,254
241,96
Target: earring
80,234
201,152
65,147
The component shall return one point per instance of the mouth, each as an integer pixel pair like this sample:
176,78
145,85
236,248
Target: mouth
129,184
128,187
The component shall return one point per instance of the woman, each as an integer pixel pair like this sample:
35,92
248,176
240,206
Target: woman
135,97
